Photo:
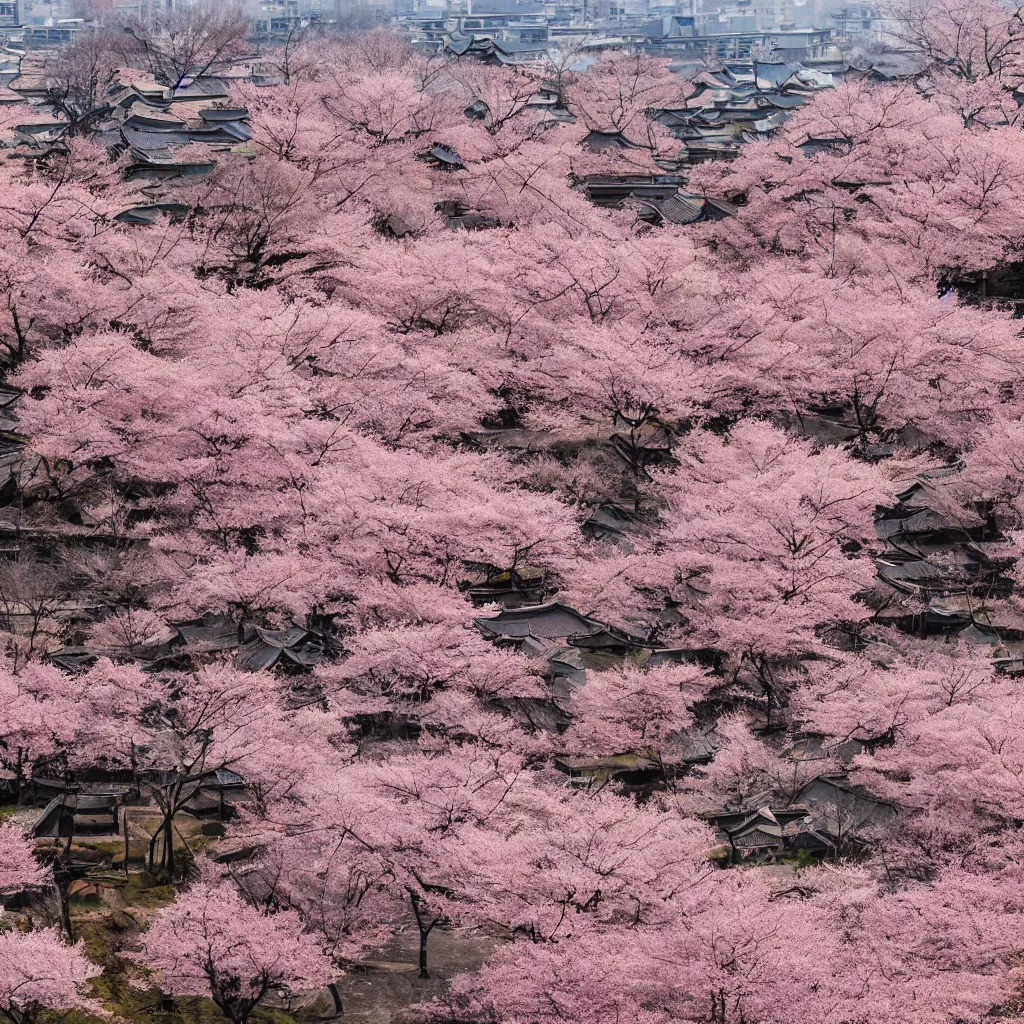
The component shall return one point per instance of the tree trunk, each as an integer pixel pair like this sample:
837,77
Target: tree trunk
65,915
424,929
61,882
332,987
11,1013
126,841
424,935
19,779
169,845
235,1014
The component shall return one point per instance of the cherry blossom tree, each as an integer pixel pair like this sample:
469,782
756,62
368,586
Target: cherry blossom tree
18,866
77,77
636,710
977,40
40,972
186,43
211,943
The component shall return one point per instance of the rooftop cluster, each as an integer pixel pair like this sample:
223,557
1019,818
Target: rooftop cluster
417,560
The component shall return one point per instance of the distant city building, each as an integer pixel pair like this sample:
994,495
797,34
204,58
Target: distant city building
269,17
681,35
863,23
